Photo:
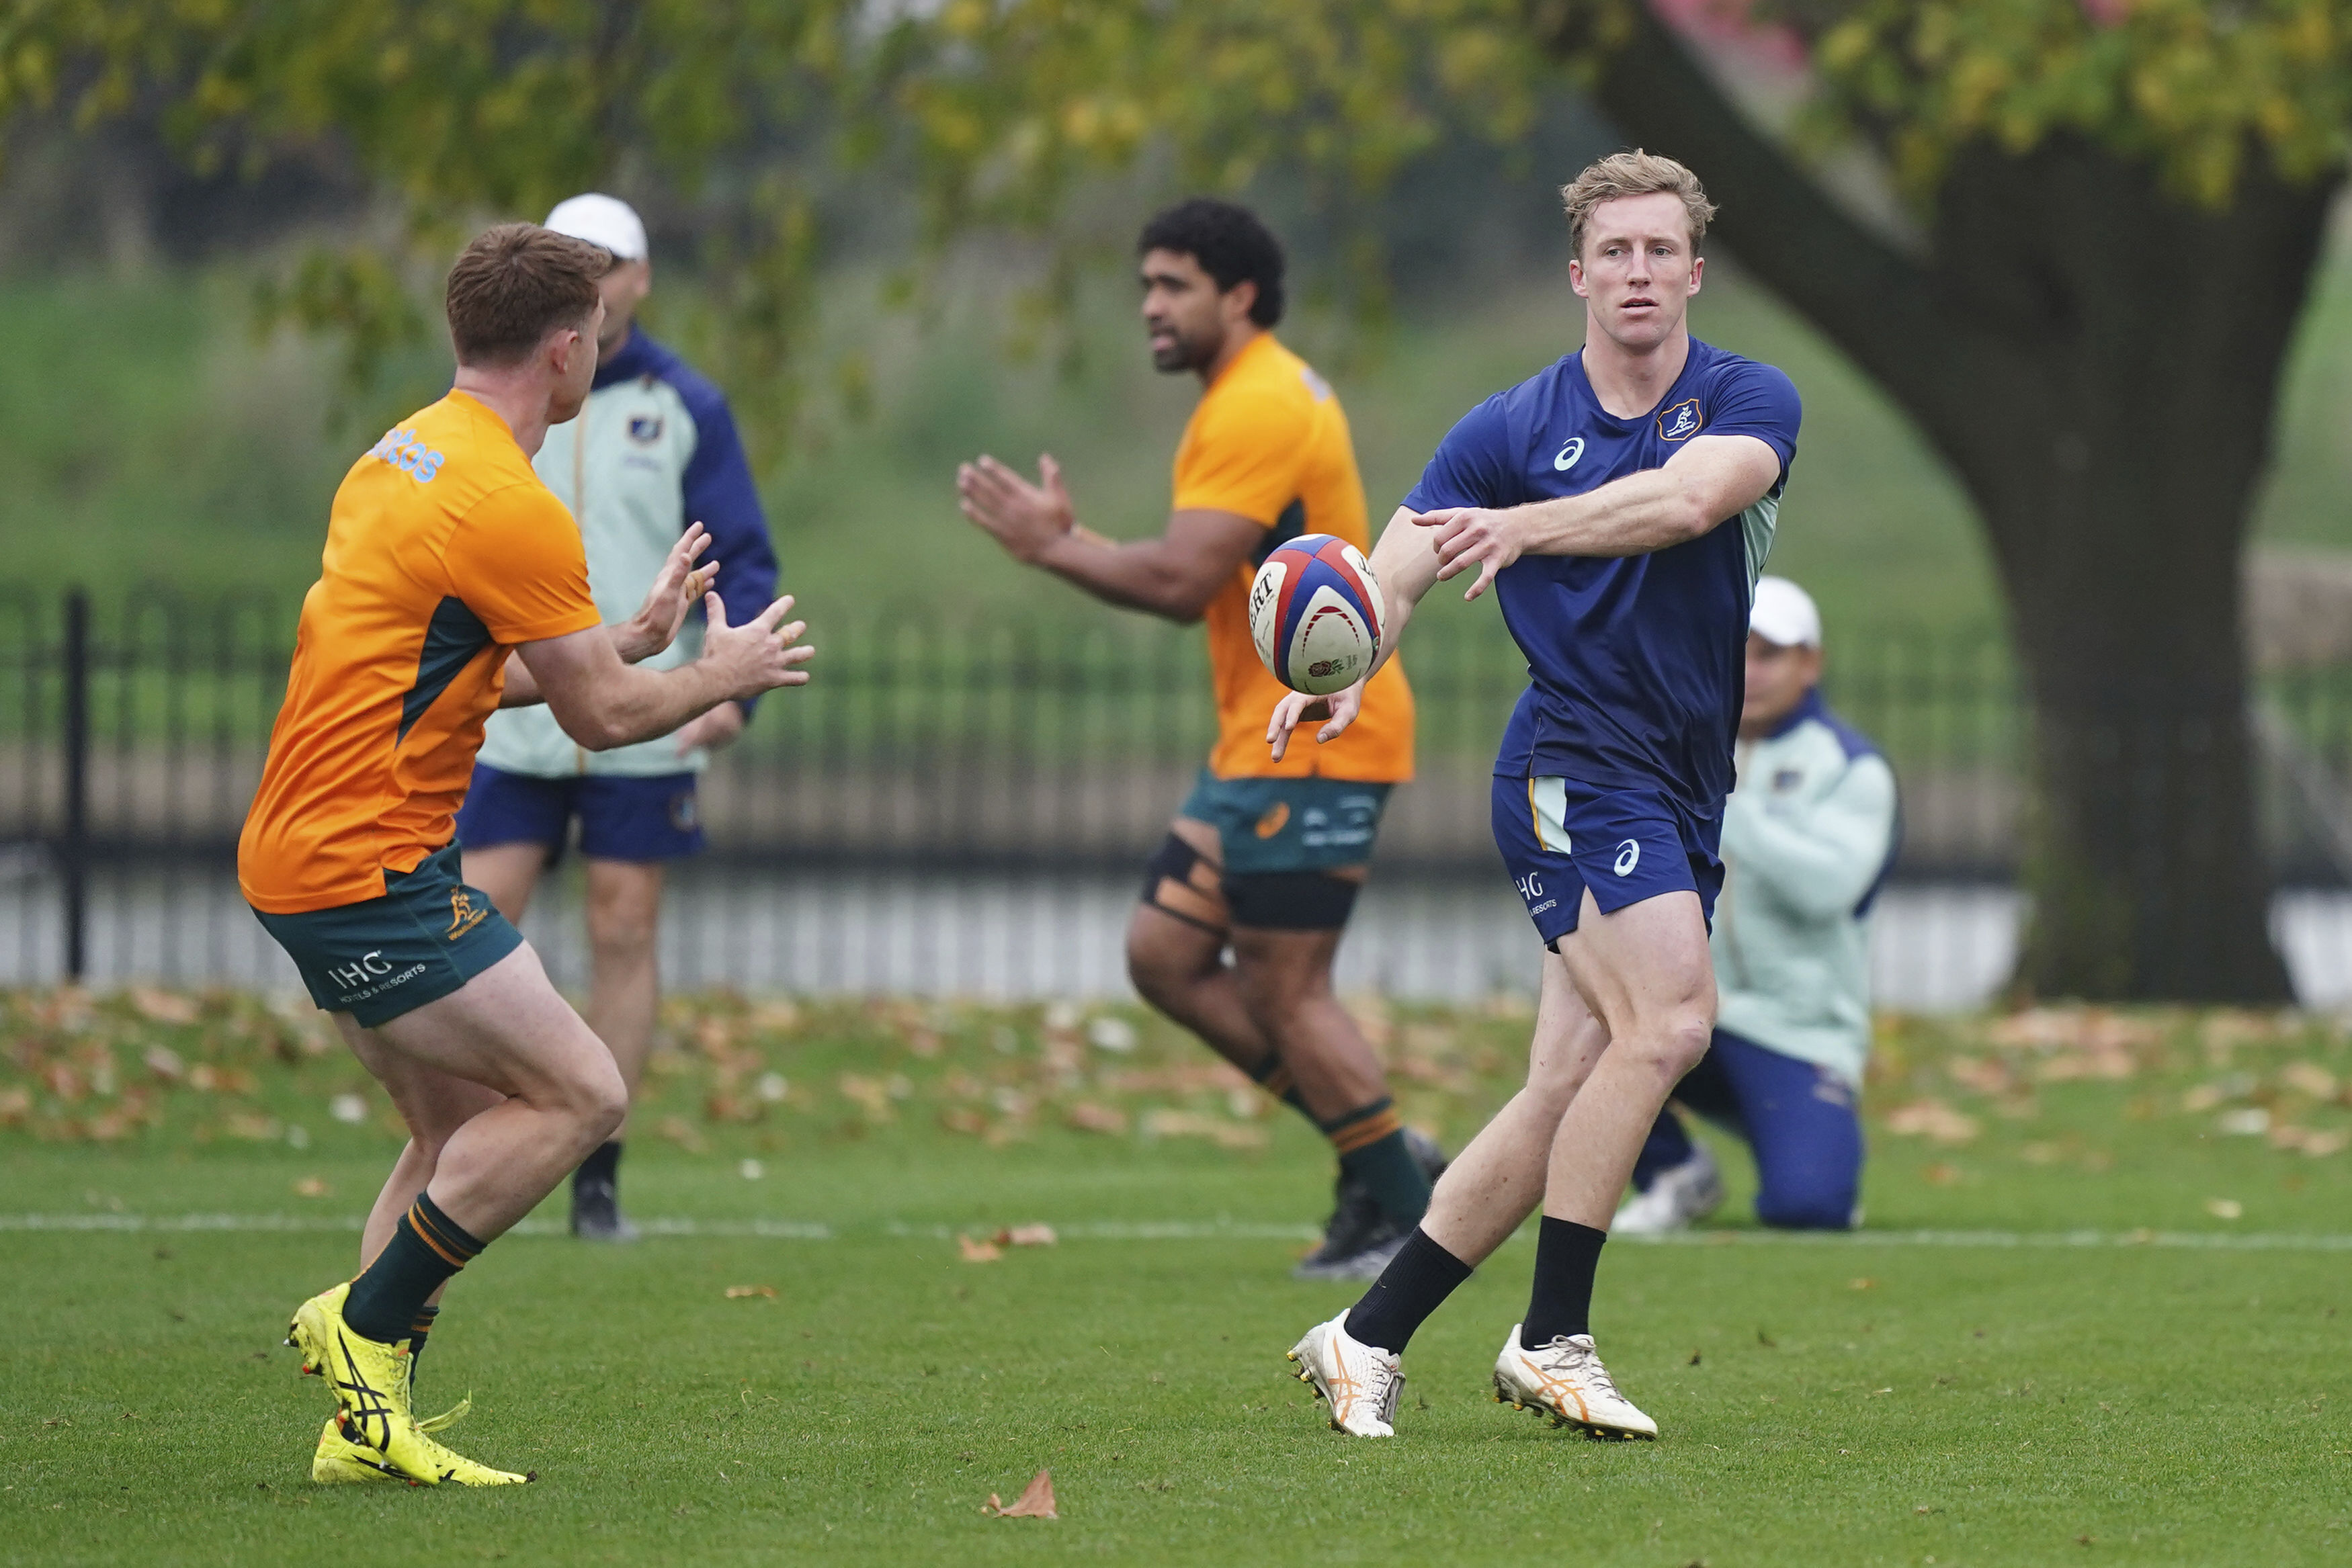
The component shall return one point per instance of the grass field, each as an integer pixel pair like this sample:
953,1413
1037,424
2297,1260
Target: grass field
2094,1317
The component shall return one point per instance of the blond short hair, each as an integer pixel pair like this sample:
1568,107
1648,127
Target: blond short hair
1634,173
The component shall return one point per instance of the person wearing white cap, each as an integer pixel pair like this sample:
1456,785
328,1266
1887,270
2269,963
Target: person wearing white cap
1809,836
654,451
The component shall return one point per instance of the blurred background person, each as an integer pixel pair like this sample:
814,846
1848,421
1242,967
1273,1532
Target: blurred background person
1810,834
654,451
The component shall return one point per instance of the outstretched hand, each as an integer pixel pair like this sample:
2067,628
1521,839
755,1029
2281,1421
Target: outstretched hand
758,655
1468,536
1025,518
680,582
1339,710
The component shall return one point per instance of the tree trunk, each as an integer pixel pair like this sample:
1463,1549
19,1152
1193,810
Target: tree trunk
2115,469
2099,364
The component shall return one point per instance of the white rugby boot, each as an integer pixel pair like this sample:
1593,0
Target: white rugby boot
1677,1195
1359,1380
1566,1381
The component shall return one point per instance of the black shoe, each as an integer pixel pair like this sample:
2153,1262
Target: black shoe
596,1213
1427,1154
1357,1245
1358,1240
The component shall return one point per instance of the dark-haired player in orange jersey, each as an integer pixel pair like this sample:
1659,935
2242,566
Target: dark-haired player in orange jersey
453,583
1265,856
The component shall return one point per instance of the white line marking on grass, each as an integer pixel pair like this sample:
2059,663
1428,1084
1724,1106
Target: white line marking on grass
1231,1230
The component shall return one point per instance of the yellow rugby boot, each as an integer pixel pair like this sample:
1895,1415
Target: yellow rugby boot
340,1461
372,1385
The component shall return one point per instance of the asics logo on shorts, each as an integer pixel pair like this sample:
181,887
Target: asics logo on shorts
1629,855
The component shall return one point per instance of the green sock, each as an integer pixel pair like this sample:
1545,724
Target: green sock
1372,1149
417,1330
425,1249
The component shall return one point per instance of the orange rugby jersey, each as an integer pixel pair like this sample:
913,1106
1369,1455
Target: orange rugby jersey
444,550
1269,442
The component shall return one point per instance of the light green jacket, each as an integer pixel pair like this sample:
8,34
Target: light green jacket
1808,835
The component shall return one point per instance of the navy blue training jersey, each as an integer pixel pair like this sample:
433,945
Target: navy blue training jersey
1634,665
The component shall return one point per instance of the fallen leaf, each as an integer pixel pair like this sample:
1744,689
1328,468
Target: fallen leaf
976,1251
1860,1284
1026,1236
739,1292
2225,1207
1112,1034
1087,1117
309,1187
1036,1503
163,1007
681,1131
1941,1174
2309,1078
1933,1120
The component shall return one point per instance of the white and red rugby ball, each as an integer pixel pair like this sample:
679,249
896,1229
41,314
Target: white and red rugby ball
1316,612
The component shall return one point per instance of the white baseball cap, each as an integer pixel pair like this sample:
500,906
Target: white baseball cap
602,220
1785,614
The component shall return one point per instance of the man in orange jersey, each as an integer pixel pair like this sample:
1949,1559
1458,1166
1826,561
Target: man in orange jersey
1266,855
454,583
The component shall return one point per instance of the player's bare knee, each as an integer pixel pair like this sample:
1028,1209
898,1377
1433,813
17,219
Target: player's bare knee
1683,1038
592,1097
1157,979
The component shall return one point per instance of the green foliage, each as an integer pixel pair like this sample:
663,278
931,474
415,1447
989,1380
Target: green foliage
2193,86
1000,112
749,113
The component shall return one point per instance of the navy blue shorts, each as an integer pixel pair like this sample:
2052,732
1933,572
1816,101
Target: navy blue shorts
1797,1119
620,819
1560,838
428,935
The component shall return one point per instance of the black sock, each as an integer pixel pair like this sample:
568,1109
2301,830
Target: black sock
1372,1149
421,1326
1275,1078
601,1168
1567,1254
1414,1284
425,1249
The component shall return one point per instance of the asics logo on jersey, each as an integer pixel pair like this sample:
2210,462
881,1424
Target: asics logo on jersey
1565,458
1629,855
404,452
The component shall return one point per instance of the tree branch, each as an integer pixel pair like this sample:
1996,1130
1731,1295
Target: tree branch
1875,303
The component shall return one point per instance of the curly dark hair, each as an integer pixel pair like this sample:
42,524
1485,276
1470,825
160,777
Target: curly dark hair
1229,243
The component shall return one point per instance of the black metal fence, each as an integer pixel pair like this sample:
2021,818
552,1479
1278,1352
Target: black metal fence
928,754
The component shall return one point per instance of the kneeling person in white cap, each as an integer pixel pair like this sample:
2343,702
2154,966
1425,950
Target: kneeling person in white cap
1809,836
653,452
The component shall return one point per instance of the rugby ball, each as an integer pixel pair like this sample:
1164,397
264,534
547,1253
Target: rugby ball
1316,612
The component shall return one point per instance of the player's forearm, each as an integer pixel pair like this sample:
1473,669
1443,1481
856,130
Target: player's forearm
1135,575
1641,513
637,703
1407,569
